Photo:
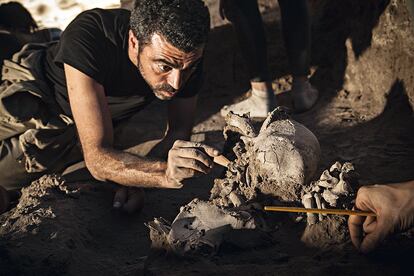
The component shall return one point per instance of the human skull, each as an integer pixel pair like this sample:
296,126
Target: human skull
279,159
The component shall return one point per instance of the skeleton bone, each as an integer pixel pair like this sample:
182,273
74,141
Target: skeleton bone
240,124
201,224
307,201
327,180
330,191
236,199
318,204
342,187
335,167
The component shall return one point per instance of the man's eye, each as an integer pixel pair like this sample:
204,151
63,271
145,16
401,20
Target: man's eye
164,68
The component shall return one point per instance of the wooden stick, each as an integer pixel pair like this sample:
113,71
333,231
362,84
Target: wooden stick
221,160
319,211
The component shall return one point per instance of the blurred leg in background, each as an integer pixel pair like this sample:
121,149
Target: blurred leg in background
247,22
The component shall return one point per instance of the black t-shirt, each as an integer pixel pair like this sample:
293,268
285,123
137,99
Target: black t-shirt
96,43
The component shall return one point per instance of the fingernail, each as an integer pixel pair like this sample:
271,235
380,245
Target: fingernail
117,204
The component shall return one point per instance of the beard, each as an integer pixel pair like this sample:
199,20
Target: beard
158,90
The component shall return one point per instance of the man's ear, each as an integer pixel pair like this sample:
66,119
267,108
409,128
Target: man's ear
133,42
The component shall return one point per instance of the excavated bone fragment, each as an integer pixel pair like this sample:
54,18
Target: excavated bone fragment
327,180
342,188
200,226
276,114
323,207
330,197
236,199
347,167
240,124
335,167
331,192
307,201
330,229
318,204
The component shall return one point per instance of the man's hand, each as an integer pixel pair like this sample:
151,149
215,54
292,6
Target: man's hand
394,206
187,160
129,199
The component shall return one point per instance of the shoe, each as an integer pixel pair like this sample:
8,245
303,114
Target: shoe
304,96
258,105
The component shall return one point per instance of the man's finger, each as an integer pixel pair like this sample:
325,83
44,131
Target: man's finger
193,164
370,224
371,240
120,197
185,173
196,154
188,144
355,229
211,151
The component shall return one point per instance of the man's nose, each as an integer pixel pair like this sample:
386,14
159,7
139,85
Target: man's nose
175,79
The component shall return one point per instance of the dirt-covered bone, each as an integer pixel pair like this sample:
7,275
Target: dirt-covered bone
277,161
334,189
200,228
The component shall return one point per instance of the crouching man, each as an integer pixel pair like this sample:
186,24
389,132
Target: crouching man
58,102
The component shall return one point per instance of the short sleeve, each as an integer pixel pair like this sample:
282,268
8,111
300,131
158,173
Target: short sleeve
83,46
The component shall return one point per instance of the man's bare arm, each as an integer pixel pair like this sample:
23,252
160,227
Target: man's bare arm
93,121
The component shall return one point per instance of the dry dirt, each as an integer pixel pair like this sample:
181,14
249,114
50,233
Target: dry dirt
362,64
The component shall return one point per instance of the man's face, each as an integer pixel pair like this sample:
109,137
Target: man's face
165,68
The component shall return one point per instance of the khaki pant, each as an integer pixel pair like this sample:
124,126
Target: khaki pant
36,136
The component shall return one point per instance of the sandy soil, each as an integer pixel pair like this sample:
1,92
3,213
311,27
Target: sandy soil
362,65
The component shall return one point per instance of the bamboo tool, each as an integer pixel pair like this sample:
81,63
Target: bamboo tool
221,160
319,211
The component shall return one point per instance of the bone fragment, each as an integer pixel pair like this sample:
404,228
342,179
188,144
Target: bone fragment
335,167
242,123
342,188
277,114
248,177
318,204
330,197
236,199
327,180
324,207
347,167
307,201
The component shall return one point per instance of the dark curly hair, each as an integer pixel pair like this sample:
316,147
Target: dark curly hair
183,23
